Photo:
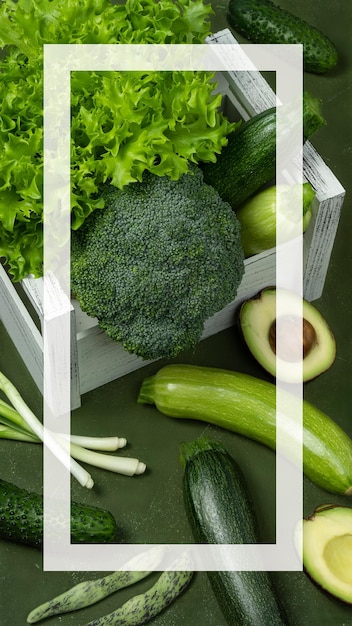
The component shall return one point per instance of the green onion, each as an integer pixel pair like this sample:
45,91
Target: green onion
15,423
10,433
108,444
35,426
19,423
121,465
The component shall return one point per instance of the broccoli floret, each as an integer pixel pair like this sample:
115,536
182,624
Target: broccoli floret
160,258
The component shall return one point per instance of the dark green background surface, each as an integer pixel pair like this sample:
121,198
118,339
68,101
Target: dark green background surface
150,507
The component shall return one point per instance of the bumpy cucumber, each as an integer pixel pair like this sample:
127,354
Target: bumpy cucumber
248,160
21,519
262,21
247,405
220,511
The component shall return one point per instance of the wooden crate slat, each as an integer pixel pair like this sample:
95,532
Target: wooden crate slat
21,328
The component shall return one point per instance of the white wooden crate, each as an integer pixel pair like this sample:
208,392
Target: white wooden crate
96,359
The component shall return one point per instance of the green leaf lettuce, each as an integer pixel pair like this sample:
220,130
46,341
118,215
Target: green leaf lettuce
122,123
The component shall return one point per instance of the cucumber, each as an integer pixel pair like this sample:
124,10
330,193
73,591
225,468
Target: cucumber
247,405
262,21
248,161
21,519
220,511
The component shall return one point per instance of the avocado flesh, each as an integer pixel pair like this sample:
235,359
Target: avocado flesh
327,549
338,556
256,318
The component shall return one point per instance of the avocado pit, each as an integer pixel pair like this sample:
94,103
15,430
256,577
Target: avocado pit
291,337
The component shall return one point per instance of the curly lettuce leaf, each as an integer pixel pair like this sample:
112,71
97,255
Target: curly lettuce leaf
122,123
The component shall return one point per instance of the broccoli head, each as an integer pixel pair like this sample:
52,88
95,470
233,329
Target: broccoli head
160,258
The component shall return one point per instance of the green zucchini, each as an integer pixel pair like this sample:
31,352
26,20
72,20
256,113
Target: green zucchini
248,161
262,21
220,511
247,405
21,519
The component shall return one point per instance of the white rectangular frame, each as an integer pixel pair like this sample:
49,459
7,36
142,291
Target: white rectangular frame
59,61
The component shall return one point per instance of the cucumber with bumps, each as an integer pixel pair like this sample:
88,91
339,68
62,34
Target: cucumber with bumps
262,21
21,519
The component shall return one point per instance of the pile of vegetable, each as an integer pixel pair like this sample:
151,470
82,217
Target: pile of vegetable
162,184
174,256
163,256
123,123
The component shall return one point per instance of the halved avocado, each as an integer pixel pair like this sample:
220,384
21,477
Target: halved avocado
278,343
327,549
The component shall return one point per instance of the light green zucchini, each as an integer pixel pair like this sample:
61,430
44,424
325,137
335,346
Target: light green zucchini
247,405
